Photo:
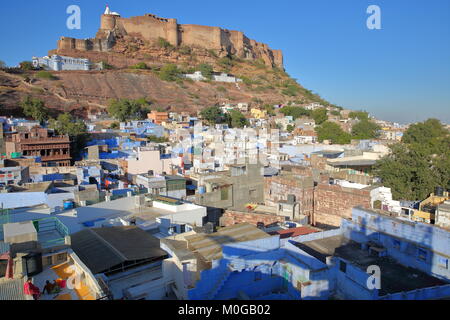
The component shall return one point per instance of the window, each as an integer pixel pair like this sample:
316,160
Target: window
343,266
442,262
421,255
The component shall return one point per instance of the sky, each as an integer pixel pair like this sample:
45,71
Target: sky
399,73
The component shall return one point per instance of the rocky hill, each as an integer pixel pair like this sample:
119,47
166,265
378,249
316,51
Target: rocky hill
121,44
81,92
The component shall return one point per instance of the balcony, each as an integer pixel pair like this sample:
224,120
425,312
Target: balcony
56,157
49,140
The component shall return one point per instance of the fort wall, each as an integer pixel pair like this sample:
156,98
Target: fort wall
150,28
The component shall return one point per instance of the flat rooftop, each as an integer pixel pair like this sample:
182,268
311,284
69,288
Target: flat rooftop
394,276
209,246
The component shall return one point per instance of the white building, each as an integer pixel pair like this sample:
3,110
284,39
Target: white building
217,77
61,63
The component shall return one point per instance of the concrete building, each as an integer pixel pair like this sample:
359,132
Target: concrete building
158,117
14,175
149,159
241,186
62,63
128,261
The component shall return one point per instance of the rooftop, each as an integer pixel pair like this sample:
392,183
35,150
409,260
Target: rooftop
104,248
209,246
395,277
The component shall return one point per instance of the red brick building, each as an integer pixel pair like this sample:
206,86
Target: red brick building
334,202
53,150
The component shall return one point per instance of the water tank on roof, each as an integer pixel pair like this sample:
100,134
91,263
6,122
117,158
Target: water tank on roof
209,228
439,192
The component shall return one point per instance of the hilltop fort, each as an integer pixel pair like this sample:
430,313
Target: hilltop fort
150,28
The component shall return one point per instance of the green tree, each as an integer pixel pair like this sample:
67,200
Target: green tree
419,163
114,125
335,113
125,109
140,66
169,72
35,108
290,128
333,132
65,124
213,115
156,139
206,70
237,119
320,115
366,129
361,115
295,112
26,65
270,109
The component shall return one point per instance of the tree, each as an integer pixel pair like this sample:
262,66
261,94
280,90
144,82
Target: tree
156,139
270,109
35,108
237,119
295,112
290,128
206,70
65,124
419,163
320,115
213,115
125,109
26,65
333,132
114,126
361,115
140,66
366,129
169,72
2,64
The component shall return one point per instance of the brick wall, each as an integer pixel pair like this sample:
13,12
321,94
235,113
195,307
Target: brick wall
333,202
278,188
230,218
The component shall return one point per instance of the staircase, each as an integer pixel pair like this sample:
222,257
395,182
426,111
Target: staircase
219,284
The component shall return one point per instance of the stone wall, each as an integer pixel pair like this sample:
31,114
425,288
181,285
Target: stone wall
230,218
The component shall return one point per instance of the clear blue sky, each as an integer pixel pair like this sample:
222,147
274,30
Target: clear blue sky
399,73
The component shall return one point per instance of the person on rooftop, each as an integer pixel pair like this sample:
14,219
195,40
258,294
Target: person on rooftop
31,290
48,287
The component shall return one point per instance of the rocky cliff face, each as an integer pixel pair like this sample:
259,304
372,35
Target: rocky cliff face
83,92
